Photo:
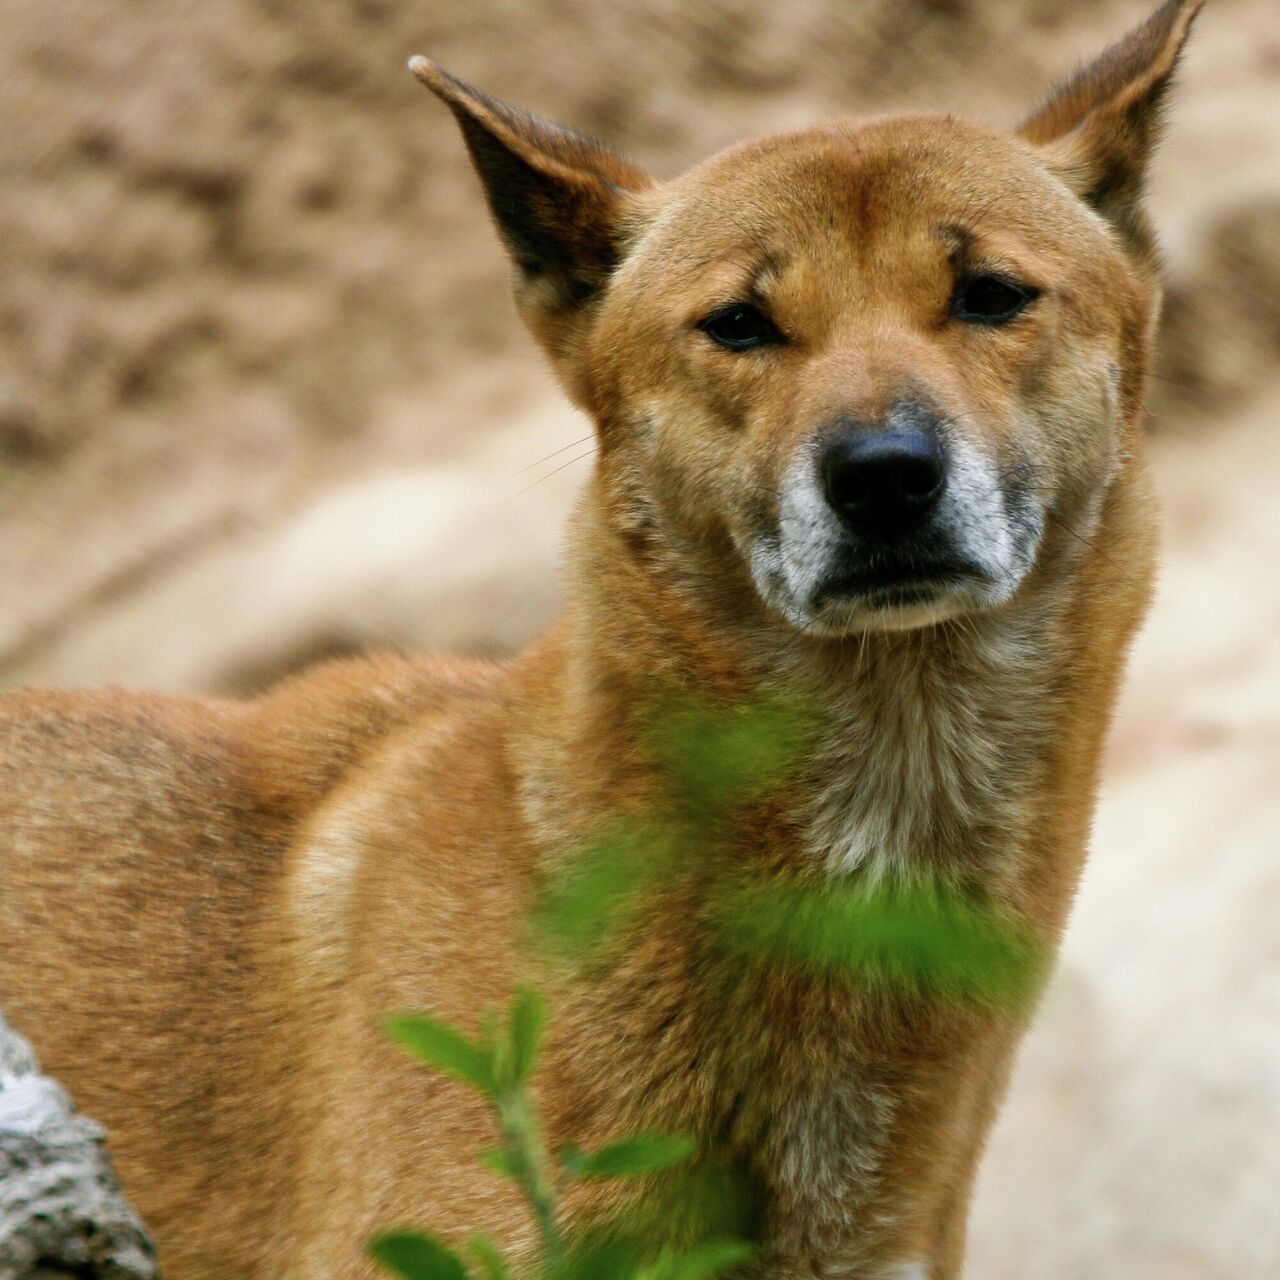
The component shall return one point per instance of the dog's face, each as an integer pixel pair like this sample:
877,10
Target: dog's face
888,367
881,357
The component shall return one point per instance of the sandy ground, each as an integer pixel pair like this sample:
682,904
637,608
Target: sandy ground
263,398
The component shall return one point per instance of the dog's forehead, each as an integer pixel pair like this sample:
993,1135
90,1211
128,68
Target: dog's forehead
855,177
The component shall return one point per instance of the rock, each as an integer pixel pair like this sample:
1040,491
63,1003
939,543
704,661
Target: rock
61,1210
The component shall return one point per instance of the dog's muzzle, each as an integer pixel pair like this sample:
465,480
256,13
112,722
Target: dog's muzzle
891,524
885,487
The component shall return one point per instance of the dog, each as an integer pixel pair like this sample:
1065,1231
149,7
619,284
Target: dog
868,400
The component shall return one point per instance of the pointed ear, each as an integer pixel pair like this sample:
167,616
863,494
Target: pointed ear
1097,131
558,199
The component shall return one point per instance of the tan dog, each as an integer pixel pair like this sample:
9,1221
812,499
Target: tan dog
869,401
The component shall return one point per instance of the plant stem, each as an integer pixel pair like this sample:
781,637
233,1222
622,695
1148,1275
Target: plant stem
528,1160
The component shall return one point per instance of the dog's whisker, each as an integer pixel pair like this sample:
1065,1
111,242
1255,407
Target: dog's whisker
555,471
555,453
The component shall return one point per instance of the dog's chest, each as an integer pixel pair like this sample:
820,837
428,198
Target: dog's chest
825,1147
926,767
827,1143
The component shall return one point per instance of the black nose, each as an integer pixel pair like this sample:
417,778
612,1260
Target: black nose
882,482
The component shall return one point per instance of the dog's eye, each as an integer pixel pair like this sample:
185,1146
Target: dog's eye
990,299
740,327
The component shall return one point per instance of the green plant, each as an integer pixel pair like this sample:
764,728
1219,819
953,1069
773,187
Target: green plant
923,940
919,938
499,1065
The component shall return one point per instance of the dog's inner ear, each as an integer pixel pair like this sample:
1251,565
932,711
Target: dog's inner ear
1097,131
556,196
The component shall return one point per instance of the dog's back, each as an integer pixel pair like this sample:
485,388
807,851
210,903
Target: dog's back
142,871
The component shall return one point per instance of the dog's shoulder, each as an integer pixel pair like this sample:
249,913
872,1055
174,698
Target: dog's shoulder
63,750
145,756
313,729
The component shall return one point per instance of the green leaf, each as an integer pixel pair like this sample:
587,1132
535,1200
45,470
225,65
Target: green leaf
416,1257
589,901
571,1158
908,942
444,1048
640,1154
494,1043
498,1161
492,1264
719,757
707,1260
528,1021
489,1030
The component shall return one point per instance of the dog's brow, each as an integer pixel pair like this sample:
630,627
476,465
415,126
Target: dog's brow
959,239
768,266
971,251
747,279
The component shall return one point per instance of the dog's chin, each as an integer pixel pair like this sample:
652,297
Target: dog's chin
909,607
849,593
847,607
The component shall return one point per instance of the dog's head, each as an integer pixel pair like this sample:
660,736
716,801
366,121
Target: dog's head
888,365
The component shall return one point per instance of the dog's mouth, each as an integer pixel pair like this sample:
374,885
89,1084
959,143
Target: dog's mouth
890,587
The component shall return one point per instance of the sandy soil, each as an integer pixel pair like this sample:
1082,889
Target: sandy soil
263,397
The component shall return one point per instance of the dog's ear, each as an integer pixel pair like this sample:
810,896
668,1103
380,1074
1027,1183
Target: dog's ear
559,201
1097,131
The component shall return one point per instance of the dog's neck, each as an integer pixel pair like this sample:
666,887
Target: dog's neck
923,744
959,757
929,744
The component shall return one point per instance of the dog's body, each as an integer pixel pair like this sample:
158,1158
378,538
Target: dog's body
207,907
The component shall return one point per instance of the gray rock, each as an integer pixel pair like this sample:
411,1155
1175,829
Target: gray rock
61,1210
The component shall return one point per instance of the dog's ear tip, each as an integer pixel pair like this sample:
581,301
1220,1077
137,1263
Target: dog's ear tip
1185,12
434,76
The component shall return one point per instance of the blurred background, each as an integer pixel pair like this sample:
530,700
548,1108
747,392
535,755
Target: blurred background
263,398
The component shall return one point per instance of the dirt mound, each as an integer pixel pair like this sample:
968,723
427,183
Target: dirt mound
1220,347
